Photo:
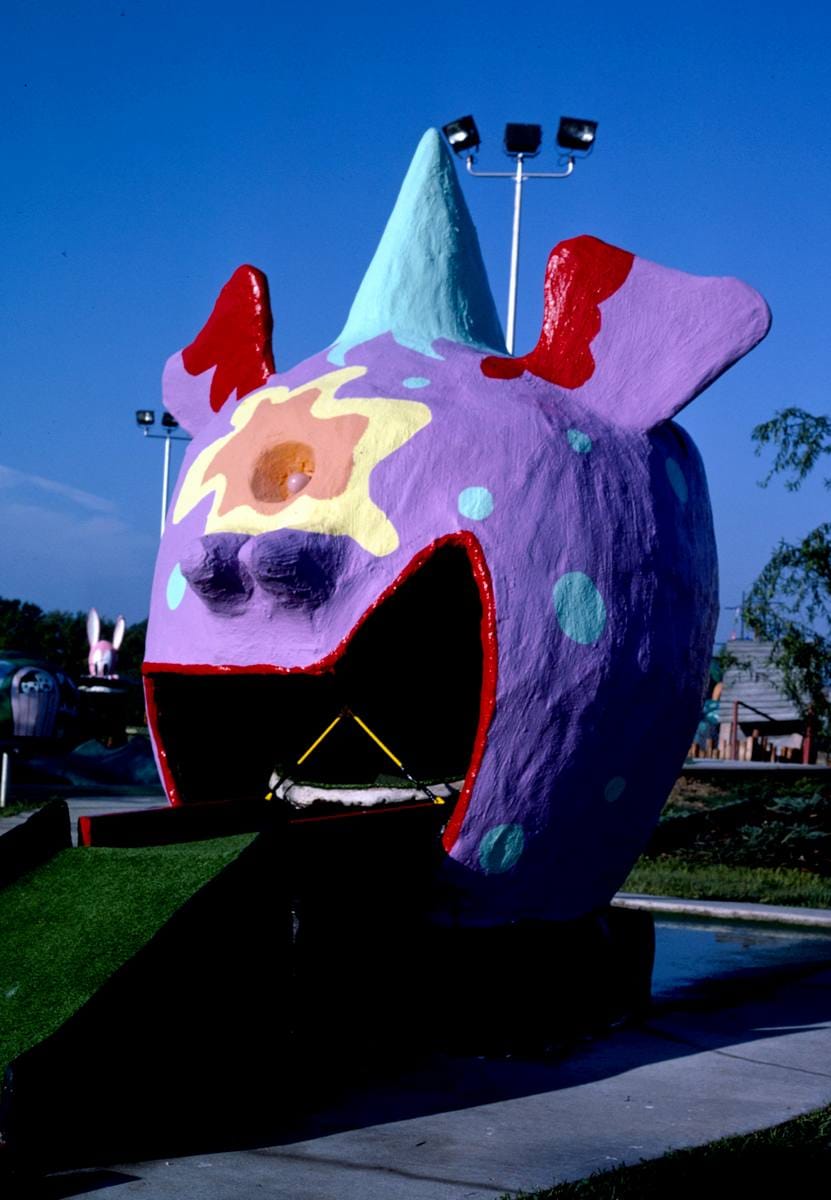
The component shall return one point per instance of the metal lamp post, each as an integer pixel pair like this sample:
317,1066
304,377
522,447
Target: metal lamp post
521,142
146,419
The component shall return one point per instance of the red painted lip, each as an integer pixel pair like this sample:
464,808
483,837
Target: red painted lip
482,578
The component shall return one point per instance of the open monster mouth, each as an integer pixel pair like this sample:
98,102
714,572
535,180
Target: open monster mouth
414,678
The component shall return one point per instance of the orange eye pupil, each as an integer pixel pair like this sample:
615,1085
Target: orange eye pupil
282,471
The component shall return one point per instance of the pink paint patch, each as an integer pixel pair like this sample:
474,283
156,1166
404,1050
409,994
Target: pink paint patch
283,450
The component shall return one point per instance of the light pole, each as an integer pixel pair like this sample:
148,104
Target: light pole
521,142
146,419
738,609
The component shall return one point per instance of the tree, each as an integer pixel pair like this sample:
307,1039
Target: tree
60,638
131,654
790,603
19,622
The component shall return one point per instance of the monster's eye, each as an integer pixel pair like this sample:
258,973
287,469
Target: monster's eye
282,471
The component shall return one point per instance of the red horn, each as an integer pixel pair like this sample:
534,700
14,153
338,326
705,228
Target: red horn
581,273
236,338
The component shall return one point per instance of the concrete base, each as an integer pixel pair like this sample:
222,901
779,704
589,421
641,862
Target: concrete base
474,1129
229,1004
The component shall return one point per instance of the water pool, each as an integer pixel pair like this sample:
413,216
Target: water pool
702,958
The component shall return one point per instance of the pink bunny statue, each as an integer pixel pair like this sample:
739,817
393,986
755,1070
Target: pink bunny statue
103,654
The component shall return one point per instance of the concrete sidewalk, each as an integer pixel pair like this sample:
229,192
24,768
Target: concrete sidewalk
93,806
463,1129
708,1063
87,806
727,910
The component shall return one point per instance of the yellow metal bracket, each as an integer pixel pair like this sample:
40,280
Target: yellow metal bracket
347,712
317,741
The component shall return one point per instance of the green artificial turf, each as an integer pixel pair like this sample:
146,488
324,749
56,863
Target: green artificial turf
66,927
706,881
767,1165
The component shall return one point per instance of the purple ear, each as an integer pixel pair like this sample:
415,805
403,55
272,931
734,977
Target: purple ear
635,341
231,354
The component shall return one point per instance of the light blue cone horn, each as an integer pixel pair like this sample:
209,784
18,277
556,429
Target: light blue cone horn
427,279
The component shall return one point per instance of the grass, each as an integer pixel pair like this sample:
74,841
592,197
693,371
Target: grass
16,810
712,881
69,925
766,1165
767,841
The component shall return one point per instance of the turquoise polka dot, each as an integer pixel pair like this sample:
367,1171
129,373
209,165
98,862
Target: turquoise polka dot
475,503
501,847
614,789
416,381
676,478
177,585
580,608
581,442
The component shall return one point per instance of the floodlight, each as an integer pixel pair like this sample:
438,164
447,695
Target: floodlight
146,419
576,134
523,139
462,135
521,142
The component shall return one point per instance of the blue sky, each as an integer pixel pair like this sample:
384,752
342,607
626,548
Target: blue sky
148,149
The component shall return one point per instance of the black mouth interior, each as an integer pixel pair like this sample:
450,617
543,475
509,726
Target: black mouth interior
412,673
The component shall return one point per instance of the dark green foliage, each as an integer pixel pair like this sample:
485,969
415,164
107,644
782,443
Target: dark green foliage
19,623
131,654
790,603
790,606
763,826
765,841
60,638
777,843
800,438
817,801
725,659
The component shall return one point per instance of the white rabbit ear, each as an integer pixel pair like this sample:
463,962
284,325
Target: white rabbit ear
93,626
118,632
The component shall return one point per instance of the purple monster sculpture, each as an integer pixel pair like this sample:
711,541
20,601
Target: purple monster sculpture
504,567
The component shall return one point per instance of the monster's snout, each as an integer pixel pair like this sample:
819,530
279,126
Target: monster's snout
505,565
297,570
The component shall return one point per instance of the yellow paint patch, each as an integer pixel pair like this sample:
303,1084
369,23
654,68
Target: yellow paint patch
390,423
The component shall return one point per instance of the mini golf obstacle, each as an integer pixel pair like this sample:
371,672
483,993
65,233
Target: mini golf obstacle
498,569
283,788
312,955
307,966
504,565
